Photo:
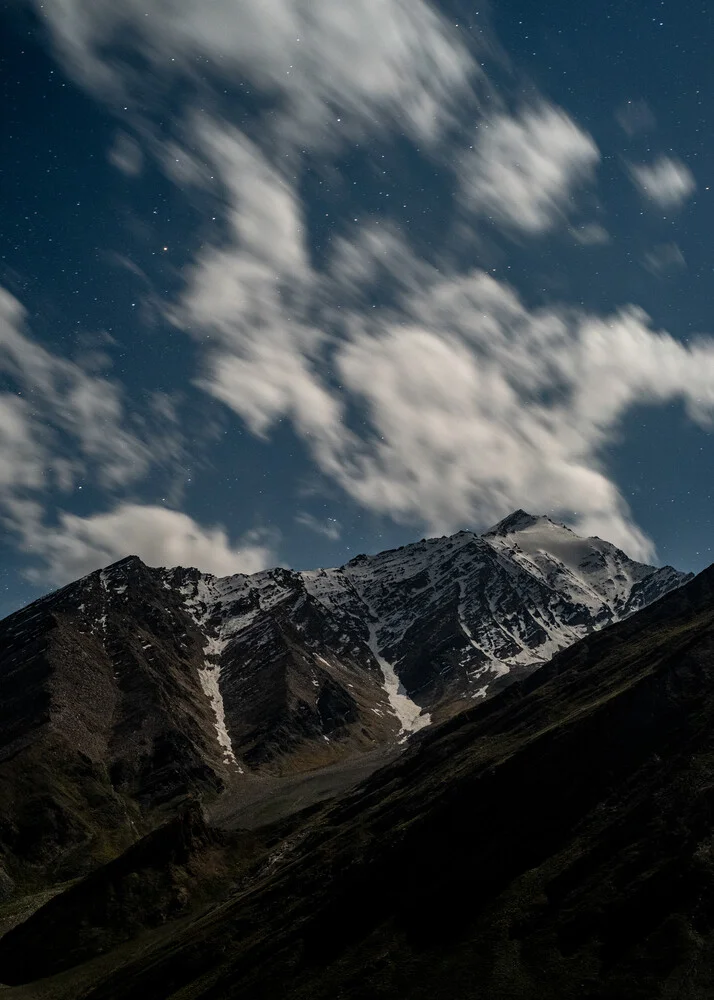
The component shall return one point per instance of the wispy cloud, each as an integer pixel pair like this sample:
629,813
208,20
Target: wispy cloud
664,259
329,527
590,234
522,171
23,459
125,154
667,181
62,425
66,398
254,295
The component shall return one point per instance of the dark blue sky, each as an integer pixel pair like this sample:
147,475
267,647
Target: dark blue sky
281,289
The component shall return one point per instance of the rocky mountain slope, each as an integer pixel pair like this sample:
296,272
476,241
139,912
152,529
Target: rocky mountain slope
550,843
133,688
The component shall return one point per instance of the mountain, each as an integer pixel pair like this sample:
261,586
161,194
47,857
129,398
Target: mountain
434,625
134,689
552,842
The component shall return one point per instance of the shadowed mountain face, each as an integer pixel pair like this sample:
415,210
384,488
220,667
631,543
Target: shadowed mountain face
132,689
553,842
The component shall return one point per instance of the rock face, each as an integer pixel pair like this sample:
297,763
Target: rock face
103,721
133,688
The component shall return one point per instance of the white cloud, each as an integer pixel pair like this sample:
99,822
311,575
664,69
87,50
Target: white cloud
63,425
590,234
468,404
479,406
461,434
330,527
522,171
364,61
667,181
252,297
22,456
68,399
125,154
664,259
160,537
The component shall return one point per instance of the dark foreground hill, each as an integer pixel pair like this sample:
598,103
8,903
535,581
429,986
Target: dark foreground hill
554,842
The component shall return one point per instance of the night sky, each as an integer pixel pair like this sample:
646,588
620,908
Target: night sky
286,281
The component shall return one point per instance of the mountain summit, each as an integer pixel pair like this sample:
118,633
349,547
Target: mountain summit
519,520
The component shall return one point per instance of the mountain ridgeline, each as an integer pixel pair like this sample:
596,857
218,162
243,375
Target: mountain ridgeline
134,688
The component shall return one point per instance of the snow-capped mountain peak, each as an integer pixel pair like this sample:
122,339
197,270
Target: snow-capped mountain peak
587,570
519,520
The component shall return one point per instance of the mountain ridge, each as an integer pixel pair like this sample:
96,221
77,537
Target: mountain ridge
134,688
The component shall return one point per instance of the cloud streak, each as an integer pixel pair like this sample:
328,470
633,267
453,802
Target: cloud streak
329,67
667,182
63,398
664,259
329,528
253,296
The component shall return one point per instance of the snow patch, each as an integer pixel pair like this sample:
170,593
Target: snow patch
407,711
461,611
210,676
